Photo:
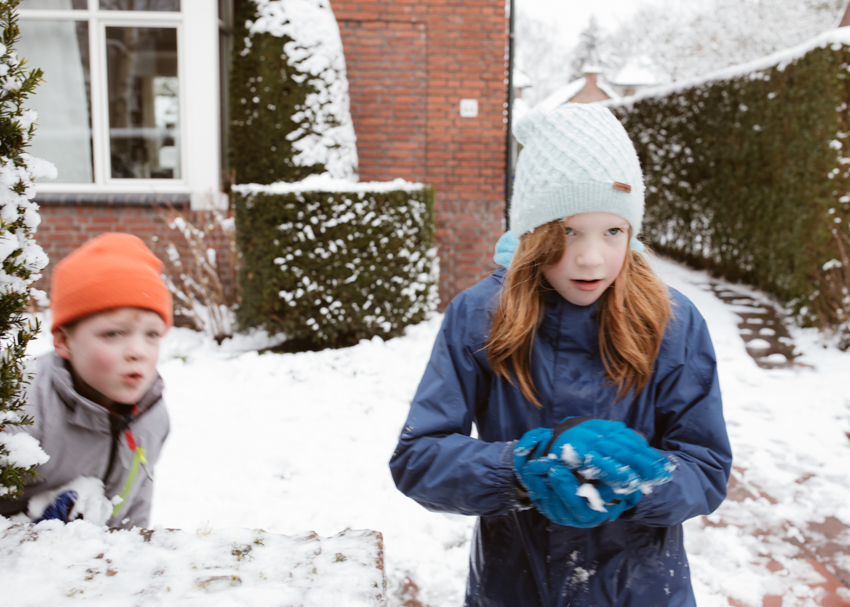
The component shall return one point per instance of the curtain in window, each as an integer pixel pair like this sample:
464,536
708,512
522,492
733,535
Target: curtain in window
63,100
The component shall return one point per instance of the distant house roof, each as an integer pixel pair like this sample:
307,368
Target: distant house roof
568,91
591,68
634,74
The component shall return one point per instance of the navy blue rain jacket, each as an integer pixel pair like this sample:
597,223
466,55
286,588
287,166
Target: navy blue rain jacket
519,558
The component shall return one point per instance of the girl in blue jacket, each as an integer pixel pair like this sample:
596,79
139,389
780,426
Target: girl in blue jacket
593,388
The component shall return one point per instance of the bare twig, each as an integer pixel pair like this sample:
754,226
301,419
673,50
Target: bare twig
195,274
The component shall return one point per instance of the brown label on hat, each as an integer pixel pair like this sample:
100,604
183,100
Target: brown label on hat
623,187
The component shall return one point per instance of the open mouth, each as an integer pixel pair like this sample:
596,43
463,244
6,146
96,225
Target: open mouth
133,378
587,285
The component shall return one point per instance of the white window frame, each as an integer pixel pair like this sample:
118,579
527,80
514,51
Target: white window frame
197,28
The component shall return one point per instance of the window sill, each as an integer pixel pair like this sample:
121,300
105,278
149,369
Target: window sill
112,198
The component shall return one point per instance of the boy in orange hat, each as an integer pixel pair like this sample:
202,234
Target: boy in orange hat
96,402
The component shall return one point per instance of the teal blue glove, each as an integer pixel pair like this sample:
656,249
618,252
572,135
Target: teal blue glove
610,452
560,494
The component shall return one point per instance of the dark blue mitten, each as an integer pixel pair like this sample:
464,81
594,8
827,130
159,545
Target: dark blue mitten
540,474
610,452
59,508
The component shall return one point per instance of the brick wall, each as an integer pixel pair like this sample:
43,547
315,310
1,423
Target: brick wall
67,224
410,62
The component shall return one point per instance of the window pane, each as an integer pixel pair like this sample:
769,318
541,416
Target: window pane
63,100
144,121
140,5
56,4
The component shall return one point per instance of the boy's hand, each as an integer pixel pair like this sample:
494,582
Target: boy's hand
59,508
81,498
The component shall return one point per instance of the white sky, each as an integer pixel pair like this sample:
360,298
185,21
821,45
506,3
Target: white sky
573,16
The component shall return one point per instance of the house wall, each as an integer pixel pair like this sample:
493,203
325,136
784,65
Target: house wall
70,220
409,63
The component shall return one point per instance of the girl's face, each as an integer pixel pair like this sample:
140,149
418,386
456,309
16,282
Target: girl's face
596,249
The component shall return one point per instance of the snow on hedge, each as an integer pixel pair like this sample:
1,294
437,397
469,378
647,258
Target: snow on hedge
18,242
326,183
55,564
316,49
332,262
753,69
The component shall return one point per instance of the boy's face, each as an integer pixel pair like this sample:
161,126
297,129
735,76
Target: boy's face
596,250
113,354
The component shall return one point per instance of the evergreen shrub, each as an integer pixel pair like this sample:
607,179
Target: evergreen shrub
21,259
289,105
748,175
329,268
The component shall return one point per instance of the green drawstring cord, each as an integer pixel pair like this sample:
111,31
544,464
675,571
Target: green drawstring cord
138,458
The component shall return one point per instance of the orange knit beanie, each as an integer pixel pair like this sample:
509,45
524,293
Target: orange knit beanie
109,271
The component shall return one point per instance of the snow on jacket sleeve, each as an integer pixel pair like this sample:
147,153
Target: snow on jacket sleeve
689,425
436,461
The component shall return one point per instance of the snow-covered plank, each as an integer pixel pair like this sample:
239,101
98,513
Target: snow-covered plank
235,566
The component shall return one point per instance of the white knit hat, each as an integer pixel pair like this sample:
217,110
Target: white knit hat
575,159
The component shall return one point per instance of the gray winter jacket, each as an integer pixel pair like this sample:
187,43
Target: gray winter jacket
81,438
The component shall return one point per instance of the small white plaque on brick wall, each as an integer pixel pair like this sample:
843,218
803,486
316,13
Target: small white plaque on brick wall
468,108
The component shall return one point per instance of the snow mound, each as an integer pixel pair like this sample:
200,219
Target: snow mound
169,566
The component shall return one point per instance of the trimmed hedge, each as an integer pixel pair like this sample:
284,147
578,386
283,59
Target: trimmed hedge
331,268
289,100
749,176
265,94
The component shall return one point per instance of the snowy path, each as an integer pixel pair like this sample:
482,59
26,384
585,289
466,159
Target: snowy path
788,430
296,442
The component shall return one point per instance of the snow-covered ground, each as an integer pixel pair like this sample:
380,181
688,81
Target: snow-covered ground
290,443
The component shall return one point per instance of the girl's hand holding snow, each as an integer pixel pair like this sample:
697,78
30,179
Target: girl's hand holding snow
81,498
610,452
561,494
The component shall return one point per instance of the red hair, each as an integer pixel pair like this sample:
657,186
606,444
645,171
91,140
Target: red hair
631,316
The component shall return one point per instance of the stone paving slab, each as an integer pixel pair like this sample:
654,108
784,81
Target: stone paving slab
762,328
820,553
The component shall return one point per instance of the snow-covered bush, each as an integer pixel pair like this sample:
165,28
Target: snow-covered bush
748,173
200,258
330,262
290,113
22,259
